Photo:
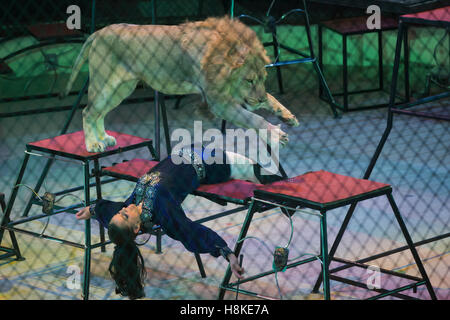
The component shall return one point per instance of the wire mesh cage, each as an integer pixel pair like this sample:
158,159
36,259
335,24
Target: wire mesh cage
224,149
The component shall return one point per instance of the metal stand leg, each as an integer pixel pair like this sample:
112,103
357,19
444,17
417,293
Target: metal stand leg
12,198
165,125
276,52
12,252
411,246
318,66
336,243
380,61
87,237
50,161
330,98
38,186
12,235
223,126
160,106
325,258
200,265
406,64
158,241
320,57
178,102
152,151
157,127
345,72
237,249
99,196
386,132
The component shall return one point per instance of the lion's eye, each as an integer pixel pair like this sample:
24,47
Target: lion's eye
249,81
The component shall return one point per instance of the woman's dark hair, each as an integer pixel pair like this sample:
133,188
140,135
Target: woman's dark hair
127,265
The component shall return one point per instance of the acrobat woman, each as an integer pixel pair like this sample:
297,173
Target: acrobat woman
156,200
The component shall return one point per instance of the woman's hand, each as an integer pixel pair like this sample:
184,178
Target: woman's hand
83,214
235,267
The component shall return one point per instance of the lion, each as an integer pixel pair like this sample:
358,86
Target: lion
219,58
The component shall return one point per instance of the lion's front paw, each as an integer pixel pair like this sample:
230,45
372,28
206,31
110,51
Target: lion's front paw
109,141
290,121
293,122
95,146
278,136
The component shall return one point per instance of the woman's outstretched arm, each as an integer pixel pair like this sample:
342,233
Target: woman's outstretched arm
103,210
194,236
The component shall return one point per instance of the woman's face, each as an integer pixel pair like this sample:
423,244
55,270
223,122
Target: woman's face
128,217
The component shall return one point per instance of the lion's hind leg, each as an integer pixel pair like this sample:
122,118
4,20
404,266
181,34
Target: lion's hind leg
102,98
89,127
124,90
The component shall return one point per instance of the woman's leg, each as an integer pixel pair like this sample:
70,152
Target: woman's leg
241,167
244,168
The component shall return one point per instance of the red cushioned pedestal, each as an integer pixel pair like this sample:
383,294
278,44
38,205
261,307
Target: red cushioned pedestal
230,190
437,17
322,188
2,202
357,25
133,169
52,31
72,145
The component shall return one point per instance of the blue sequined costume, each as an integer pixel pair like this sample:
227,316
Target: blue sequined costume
163,189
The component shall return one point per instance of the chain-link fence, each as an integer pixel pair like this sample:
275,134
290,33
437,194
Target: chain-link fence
363,107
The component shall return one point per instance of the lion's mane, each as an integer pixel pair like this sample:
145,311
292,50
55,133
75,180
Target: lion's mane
229,48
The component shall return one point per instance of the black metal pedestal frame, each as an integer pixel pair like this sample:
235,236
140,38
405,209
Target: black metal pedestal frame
11,226
41,44
260,203
64,40
6,224
346,93
305,57
392,109
160,107
405,23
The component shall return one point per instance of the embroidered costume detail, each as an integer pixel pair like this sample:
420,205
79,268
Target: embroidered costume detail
147,203
193,158
148,179
145,193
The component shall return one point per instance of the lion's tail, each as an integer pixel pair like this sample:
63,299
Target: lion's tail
81,59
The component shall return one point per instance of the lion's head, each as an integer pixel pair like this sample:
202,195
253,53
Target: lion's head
234,63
